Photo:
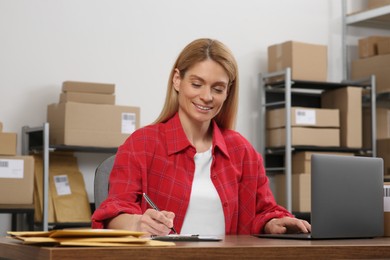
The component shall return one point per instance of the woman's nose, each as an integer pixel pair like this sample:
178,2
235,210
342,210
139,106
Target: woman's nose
206,94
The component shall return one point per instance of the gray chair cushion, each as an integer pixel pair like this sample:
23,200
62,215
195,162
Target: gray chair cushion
102,175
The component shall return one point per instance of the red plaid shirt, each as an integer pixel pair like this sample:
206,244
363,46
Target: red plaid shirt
159,160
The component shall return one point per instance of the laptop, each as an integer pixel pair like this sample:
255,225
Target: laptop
346,198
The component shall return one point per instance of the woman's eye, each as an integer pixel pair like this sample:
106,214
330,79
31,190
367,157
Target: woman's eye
197,85
219,90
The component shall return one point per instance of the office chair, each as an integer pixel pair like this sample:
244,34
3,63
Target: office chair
102,175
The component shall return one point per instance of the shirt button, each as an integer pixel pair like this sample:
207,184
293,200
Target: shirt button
225,204
214,177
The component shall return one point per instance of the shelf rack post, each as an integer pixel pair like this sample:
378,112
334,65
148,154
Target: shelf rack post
373,115
45,211
288,150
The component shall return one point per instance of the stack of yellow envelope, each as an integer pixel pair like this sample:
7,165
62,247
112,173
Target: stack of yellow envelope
86,237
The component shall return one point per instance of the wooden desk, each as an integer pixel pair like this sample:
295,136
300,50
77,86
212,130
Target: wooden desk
238,247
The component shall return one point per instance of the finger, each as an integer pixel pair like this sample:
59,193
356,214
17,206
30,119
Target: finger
295,225
164,217
151,222
170,217
152,231
157,220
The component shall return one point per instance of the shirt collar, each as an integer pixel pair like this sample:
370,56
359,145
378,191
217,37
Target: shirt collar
178,141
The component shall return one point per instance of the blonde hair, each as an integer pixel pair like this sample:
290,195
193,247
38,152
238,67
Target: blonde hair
198,51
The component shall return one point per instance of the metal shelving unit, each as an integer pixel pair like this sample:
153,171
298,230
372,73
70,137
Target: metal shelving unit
378,18
287,93
36,139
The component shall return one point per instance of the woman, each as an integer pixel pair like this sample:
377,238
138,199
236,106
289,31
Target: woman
206,178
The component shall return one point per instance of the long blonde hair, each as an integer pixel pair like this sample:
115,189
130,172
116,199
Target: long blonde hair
198,51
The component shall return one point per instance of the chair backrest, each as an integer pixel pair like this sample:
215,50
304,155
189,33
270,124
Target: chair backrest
102,175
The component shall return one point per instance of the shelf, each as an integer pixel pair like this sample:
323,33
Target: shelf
73,148
36,139
377,18
281,150
279,90
315,85
35,143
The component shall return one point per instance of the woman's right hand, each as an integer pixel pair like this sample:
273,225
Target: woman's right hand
156,222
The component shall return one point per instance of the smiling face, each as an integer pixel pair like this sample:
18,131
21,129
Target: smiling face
202,92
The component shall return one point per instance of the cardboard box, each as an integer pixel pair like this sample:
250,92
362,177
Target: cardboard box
384,46
369,46
327,137
382,125
91,98
307,61
377,3
16,179
301,191
90,124
301,161
303,116
68,199
383,151
378,66
349,101
88,87
8,143
386,207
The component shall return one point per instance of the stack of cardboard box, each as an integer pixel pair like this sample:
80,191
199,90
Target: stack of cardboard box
336,123
16,172
374,59
309,126
307,61
87,116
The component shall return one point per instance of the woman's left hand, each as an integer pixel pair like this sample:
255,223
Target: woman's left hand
287,225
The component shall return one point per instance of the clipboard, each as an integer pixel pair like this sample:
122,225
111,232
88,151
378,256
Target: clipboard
187,238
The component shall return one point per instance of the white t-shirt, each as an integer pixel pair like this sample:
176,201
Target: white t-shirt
204,214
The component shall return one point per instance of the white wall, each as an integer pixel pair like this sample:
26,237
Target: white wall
134,44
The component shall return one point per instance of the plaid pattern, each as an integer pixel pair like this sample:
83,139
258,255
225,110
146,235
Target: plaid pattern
159,160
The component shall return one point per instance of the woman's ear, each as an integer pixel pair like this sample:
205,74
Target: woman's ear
176,80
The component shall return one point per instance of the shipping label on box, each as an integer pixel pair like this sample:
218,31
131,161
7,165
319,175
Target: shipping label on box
11,168
386,208
61,183
305,116
386,198
129,122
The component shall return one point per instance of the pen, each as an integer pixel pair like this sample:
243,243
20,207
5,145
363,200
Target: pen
151,203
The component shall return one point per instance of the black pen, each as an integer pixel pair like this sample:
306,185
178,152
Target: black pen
151,203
